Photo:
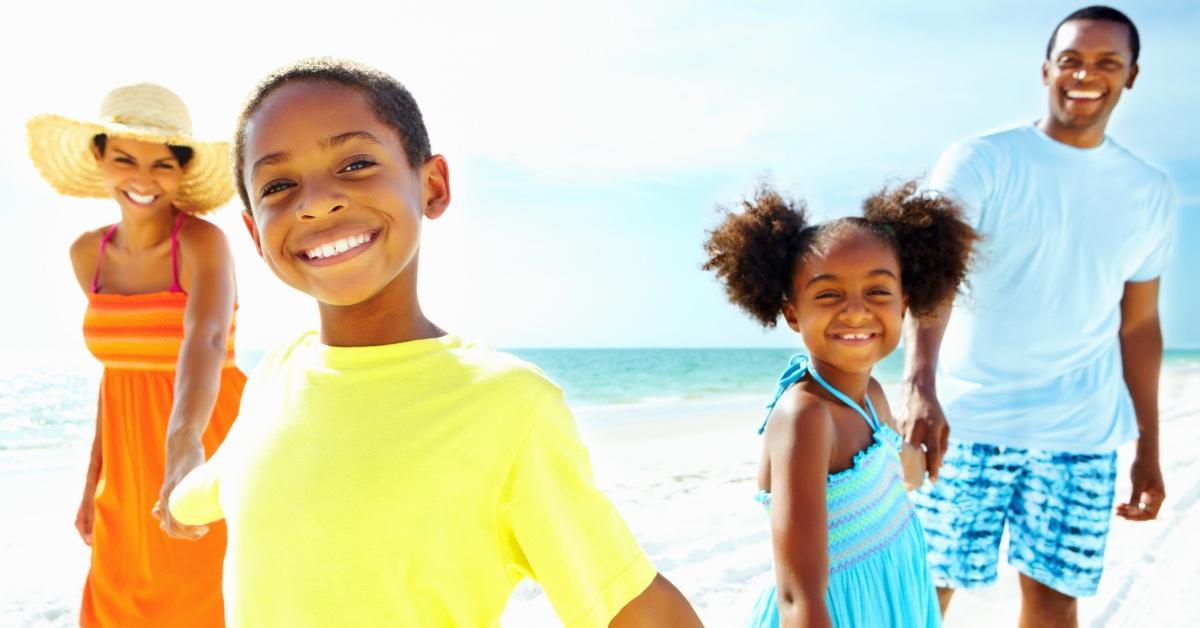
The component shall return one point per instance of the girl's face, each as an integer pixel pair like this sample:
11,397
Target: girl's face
847,303
142,176
337,208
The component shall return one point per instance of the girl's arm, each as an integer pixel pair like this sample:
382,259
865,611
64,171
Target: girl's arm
206,272
800,443
912,458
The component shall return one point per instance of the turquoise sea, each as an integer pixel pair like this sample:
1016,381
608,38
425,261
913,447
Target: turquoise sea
48,409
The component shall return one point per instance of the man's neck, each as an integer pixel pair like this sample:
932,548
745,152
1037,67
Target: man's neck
1087,137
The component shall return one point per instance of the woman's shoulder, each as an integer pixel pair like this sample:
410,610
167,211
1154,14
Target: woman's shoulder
85,254
203,247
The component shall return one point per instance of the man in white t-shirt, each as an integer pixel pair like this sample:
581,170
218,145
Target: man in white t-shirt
1051,360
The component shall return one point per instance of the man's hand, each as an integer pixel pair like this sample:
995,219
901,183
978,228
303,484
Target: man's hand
182,457
1148,490
925,428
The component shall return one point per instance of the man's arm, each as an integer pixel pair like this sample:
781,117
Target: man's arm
1141,353
925,425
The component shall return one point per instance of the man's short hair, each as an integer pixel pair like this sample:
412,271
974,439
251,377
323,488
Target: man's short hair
1103,13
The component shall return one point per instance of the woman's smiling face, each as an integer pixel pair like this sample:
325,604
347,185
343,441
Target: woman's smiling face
141,176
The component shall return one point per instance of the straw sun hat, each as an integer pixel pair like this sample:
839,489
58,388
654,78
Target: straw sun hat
61,148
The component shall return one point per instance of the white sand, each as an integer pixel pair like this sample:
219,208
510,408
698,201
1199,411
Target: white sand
684,482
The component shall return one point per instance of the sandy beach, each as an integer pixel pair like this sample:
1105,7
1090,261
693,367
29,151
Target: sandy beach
682,474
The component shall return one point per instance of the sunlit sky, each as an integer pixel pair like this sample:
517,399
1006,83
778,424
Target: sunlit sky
588,142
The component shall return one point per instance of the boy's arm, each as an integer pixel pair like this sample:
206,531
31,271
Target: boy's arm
661,604
1141,353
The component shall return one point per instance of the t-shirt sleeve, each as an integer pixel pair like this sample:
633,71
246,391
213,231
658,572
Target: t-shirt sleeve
1164,216
561,531
965,173
195,499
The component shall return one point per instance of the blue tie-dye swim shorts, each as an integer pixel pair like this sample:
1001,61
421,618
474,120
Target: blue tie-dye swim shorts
1057,506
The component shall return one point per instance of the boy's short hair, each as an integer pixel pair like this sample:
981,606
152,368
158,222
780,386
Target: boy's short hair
392,102
1103,14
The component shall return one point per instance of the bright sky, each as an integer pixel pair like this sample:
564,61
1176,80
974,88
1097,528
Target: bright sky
588,142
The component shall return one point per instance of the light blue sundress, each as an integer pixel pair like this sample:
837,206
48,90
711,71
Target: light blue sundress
878,573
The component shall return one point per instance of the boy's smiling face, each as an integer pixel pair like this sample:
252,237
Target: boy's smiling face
337,207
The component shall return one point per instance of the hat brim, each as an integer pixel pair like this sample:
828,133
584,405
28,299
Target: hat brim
61,149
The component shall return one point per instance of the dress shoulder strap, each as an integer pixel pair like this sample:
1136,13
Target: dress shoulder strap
175,285
108,235
798,367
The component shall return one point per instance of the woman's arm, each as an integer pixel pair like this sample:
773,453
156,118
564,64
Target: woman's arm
206,269
800,442
84,254
86,513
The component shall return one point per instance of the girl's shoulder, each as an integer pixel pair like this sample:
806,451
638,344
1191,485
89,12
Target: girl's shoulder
800,413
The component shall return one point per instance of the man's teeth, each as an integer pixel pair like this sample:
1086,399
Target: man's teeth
141,199
337,247
1082,94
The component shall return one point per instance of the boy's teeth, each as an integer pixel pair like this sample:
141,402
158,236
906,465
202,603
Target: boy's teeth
337,247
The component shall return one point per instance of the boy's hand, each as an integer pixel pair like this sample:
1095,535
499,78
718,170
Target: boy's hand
912,462
1148,490
181,459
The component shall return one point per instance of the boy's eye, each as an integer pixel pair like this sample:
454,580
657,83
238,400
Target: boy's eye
274,187
880,292
358,164
828,294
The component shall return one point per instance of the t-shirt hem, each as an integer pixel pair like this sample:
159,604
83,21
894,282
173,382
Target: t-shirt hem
632,580
984,437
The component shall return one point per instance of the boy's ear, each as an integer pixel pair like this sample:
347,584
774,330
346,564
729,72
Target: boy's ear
435,181
253,229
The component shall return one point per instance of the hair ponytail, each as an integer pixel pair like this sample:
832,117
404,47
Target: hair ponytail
935,245
754,252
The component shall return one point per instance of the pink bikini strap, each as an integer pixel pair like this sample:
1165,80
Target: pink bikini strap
108,235
175,285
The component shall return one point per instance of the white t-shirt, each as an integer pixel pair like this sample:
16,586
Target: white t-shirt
1031,356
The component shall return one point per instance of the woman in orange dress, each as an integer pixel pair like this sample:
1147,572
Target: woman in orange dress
161,300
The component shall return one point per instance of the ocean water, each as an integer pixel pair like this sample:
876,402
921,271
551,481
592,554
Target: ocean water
54,408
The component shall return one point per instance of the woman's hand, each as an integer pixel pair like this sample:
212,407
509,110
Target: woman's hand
183,455
85,515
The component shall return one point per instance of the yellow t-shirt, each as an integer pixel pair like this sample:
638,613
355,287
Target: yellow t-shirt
412,484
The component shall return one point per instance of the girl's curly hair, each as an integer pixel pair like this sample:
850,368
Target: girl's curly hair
756,252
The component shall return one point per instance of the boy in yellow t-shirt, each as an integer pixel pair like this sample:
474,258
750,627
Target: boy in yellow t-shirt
385,472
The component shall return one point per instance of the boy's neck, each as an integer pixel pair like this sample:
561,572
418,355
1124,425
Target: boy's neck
390,317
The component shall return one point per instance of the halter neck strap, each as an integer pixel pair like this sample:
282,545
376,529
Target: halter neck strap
798,367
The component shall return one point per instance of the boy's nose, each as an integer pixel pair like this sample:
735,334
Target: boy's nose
855,311
320,202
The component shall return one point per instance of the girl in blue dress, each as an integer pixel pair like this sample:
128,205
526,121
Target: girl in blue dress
848,549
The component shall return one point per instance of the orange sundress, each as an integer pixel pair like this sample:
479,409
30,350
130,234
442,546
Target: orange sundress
139,576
